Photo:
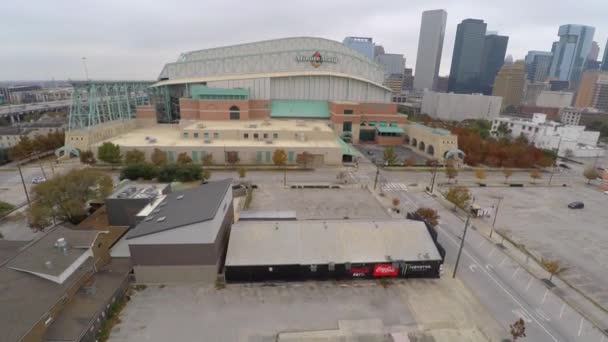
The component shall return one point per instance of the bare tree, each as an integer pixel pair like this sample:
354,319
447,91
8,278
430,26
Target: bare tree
518,329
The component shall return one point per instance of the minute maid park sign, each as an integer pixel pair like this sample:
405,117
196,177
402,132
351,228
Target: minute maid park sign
316,59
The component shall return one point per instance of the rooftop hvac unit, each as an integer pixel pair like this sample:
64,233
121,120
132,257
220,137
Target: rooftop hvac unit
207,141
200,125
269,142
253,126
266,123
152,140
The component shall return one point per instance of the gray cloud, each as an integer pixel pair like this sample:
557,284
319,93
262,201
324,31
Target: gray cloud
132,39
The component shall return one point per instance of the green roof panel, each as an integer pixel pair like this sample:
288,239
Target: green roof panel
201,91
388,129
311,109
346,149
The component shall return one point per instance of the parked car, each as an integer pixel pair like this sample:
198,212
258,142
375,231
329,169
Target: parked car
605,192
565,166
38,180
576,205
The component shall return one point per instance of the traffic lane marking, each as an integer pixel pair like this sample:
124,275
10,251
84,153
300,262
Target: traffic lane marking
509,294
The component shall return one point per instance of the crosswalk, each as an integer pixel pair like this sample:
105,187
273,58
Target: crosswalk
394,187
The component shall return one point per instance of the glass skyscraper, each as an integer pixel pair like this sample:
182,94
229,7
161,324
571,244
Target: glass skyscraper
492,59
430,46
605,59
571,52
365,45
466,60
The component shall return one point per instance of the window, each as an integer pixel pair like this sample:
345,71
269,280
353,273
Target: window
235,113
348,111
275,135
530,128
246,136
511,125
196,135
536,130
185,134
256,136
371,123
347,126
216,135
382,123
206,134
265,135
393,124
362,123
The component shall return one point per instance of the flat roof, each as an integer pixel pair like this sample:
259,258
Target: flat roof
10,248
261,125
320,242
185,207
299,109
133,190
389,129
257,215
439,131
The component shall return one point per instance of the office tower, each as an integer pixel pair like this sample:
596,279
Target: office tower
600,95
442,84
592,65
532,92
378,50
510,82
466,59
365,45
594,52
430,46
586,89
571,52
509,59
393,63
537,65
605,59
493,57
408,80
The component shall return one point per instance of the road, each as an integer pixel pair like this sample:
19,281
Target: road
33,107
507,290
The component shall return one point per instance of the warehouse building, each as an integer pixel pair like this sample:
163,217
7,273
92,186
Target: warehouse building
341,249
183,236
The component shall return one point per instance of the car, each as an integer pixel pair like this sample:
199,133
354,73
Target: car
565,166
38,180
605,192
576,205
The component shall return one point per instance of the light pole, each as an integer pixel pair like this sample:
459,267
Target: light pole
495,215
556,158
376,178
464,234
24,187
86,72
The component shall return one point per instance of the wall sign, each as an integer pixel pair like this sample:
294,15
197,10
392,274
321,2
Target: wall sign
385,270
316,59
359,271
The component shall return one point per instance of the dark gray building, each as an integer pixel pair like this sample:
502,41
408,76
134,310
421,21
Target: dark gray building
493,57
125,203
537,65
466,60
605,59
183,238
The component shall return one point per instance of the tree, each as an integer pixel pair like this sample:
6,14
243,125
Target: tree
518,329
208,159
242,172
590,173
135,157
65,197
396,203
184,159
206,174
480,174
429,215
304,159
459,196
551,266
451,172
109,153
535,174
390,157
87,158
508,173
181,173
232,157
23,149
503,130
159,157
136,171
279,158
341,176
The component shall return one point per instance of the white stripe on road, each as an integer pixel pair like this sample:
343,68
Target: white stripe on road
561,312
529,283
514,273
580,327
544,297
492,252
498,283
503,261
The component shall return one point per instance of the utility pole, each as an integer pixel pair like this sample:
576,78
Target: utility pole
377,174
466,226
495,215
24,187
433,178
86,72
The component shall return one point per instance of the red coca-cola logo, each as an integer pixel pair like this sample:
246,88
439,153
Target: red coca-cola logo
385,270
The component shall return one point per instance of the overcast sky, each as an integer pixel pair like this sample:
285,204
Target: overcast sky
133,39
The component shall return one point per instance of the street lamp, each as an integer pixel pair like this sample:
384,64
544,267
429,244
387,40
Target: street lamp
464,234
495,215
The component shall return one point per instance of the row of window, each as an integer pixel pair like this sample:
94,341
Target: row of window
206,135
381,123
261,156
264,135
216,135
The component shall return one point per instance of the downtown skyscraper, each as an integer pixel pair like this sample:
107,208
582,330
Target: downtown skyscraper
430,46
605,59
465,70
492,59
571,52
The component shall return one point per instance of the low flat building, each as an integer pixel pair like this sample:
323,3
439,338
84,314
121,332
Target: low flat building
567,140
434,142
458,107
183,238
43,280
344,249
125,204
554,99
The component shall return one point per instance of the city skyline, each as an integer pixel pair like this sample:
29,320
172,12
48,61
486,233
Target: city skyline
134,47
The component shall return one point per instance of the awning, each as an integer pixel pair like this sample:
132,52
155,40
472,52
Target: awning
388,129
346,149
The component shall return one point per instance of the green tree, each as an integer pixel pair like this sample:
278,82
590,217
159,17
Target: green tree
459,196
242,172
208,159
279,158
503,130
480,174
390,157
590,173
109,153
65,197
136,171
429,215
87,158
232,157
159,157
135,157
184,159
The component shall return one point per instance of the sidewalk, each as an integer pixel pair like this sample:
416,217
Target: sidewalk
572,296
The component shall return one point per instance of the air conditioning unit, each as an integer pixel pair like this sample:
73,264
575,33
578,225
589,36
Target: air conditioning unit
269,142
200,125
266,123
207,141
253,126
152,140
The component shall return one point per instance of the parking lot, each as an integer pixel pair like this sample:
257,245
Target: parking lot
312,204
375,153
257,313
539,219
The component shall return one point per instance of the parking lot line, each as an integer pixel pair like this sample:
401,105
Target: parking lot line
529,283
561,312
580,327
515,272
544,296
